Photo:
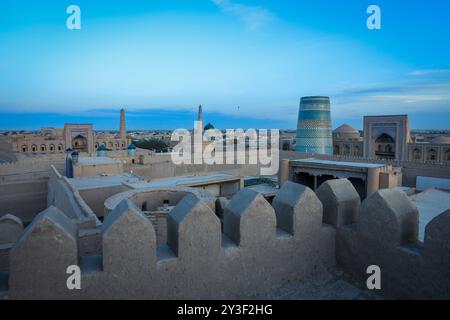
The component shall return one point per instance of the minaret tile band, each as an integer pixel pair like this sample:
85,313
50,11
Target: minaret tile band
314,130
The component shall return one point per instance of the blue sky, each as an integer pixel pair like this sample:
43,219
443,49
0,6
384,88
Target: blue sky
160,59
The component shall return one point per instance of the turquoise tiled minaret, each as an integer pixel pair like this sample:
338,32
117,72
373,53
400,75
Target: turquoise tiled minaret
314,131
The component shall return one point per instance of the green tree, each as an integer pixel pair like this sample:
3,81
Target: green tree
152,144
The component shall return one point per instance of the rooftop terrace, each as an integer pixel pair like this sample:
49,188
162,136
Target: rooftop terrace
430,204
187,181
339,163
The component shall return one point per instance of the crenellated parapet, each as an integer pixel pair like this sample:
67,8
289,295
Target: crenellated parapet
39,259
385,234
437,240
341,202
198,262
388,217
256,248
128,240
249,220
298,211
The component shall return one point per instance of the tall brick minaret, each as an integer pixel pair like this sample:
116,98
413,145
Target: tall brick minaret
197,142
200,117
123,130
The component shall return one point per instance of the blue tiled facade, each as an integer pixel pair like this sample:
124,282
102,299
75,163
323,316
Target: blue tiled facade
314,131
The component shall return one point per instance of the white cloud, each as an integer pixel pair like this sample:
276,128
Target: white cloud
429,72
252,16
410,98
400,97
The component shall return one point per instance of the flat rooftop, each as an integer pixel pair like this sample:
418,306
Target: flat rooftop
425,183
86,183
272,178
190,181
340,163
89,161
430,204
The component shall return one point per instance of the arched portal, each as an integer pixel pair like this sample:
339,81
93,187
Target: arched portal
80,144
336,150
346,150
417,154
432,155
385,147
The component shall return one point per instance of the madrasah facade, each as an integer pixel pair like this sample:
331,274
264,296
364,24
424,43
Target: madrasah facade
389,137
79,137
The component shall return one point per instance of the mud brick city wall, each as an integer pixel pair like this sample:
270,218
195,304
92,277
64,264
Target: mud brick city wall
383,231
23,186
261,247
198,261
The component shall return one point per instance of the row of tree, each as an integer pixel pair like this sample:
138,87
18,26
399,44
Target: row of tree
153,144
159,145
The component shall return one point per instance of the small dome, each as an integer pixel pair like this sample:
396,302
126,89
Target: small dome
441,140
131,147
345,128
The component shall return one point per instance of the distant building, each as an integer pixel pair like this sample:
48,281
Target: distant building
122,131
367,178
437,149
389,138
386,137
314,126
78,137
347,141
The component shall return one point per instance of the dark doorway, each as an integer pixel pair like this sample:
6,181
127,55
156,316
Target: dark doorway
360,186
324,178
385,147
305,179
80,144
